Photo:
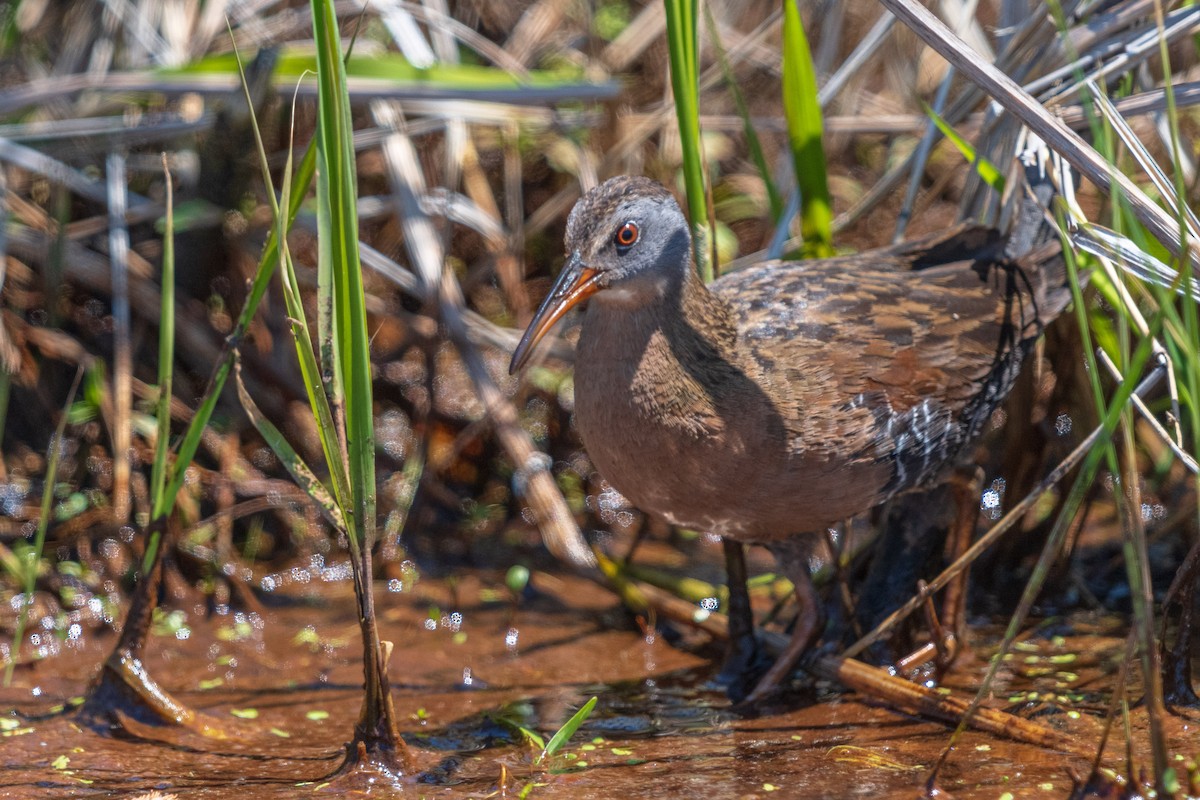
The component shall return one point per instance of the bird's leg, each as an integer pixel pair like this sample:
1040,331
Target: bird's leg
964,485
1177,660
742,657
913,533
792,556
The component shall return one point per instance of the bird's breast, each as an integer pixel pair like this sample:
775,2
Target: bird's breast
704,445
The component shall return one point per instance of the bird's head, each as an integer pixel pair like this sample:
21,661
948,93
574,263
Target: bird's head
626,238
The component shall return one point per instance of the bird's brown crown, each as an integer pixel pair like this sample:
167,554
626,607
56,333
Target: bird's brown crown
592,214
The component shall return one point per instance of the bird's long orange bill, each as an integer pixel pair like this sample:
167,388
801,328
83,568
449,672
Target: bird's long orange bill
575,284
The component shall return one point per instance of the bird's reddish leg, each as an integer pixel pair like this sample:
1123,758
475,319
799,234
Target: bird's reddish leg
792,556
965,486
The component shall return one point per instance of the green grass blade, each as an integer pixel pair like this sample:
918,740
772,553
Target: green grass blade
341,287
315,384
309,370
988,172
685,86
291,460
337,220
802,111
34,555
190,442
743,110
568,729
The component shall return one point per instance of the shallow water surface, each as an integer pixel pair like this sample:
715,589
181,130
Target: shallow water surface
470,667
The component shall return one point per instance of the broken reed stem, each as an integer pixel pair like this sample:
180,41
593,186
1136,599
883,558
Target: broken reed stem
122,391
916,699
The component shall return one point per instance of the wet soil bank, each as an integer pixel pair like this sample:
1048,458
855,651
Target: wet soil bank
472,665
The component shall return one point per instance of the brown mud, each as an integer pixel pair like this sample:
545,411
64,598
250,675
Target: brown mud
472,664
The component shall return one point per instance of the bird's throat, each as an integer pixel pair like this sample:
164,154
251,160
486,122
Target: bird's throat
660,361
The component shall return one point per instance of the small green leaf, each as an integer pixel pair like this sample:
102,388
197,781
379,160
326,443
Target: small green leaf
986,169
802,110
568,729
244,713
316,715
534,738
61,762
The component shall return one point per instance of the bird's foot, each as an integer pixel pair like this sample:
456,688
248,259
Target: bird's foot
939,653
772,696
929,662
778,677
792,556
745,664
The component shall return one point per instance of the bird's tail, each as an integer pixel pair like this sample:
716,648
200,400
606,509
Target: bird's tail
1033,224
1034,240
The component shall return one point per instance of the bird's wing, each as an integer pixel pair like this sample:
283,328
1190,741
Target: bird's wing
904,351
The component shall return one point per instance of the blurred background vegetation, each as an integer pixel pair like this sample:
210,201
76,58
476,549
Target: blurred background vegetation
487,120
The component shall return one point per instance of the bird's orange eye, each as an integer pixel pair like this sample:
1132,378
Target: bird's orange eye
627,234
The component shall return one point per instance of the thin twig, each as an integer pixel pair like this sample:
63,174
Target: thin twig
118,245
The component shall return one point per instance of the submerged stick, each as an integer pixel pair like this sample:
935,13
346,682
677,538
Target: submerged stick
855,675
916,699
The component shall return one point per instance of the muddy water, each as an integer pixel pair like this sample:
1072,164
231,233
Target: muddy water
470,665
